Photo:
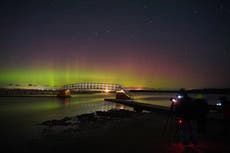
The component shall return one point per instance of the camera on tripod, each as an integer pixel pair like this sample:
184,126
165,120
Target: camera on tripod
173,123
176,99
175,102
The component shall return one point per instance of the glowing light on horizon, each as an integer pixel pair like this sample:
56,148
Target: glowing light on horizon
107,90
54,78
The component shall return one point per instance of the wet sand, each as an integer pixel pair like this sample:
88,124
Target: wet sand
121,131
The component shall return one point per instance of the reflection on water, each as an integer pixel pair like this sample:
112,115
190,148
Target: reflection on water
163,98
120,106
20,116
67,102
154,98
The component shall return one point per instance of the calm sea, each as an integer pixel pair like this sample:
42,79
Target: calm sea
20,116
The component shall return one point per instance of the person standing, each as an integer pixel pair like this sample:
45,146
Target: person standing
185,110
202,109
225,104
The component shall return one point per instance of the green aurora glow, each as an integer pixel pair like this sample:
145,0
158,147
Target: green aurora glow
160,46
57,78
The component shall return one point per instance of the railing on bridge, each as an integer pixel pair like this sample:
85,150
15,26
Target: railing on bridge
121,93
92,87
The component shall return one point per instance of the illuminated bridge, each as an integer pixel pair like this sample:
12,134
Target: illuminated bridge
92,87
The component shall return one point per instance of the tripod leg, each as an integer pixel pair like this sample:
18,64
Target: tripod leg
176,134
166,125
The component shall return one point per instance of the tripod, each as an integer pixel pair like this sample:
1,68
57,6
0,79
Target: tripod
172,127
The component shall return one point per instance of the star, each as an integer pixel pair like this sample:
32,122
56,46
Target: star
132,36
226,52
187,52
145,7
196,12
96,34
107,31
150,21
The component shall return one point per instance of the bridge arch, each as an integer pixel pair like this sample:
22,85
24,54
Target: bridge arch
92,87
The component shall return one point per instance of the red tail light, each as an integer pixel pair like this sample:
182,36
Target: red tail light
179,121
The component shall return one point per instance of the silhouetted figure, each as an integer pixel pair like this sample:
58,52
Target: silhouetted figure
224,105
185,110
202,109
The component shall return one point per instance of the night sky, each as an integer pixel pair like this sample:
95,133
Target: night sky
161,44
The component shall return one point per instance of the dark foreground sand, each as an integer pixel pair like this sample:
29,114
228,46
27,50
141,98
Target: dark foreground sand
120,131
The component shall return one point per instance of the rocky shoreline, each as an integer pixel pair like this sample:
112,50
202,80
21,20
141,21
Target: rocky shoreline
121,131
86,122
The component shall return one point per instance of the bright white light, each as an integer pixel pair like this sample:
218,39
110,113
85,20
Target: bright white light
174,100
179,96
218,104
122,107
107,90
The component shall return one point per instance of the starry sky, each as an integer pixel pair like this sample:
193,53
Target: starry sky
161,44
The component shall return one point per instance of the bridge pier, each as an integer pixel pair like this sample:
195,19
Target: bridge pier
64,93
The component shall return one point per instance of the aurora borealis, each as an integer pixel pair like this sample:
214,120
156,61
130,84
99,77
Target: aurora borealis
136,43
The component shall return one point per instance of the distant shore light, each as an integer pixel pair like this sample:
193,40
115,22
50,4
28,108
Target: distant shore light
107,90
